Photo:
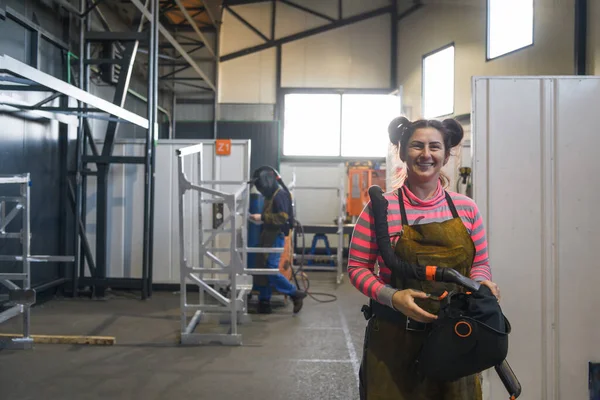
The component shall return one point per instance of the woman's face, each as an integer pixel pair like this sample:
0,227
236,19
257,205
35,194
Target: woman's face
425,155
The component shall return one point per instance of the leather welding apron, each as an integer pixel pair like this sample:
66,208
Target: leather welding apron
388,370
267,239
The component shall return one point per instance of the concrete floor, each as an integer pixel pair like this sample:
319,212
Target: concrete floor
314,355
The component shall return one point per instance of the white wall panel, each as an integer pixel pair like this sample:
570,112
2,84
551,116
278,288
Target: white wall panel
354,7
291,20
248,79
534,183
237,36
126,195
356,56
578,230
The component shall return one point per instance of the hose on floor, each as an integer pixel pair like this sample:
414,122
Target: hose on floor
303,277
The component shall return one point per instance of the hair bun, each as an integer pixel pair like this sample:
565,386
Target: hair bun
396,129
455,130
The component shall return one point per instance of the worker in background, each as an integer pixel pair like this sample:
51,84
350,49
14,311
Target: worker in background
428,226
277,220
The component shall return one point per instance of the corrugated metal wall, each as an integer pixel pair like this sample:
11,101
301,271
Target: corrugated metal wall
126,206
43,148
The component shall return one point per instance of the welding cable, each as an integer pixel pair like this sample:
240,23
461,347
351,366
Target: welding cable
304,276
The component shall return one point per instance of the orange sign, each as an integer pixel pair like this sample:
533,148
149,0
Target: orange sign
223,147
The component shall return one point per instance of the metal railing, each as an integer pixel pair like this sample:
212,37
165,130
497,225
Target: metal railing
233,274
339,225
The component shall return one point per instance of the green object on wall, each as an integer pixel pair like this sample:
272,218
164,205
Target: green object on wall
70,55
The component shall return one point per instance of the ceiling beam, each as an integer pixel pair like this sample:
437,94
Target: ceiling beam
310,32
194,26
241,2
412,9
176,45
214,9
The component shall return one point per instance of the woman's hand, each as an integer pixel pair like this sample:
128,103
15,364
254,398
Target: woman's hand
255,217
403,301
493,287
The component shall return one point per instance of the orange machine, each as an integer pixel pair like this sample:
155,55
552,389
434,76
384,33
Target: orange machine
361,176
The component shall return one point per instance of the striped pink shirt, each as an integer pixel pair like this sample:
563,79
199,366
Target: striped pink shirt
363,248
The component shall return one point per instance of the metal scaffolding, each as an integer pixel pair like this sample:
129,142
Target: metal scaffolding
232,275
20,298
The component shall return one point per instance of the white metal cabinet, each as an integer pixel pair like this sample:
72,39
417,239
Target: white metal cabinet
535,151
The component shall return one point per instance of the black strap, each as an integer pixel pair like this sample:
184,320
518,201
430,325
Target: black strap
451,205
403,209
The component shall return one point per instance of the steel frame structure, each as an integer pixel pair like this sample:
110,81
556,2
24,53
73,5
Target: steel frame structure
21,297
18,76
339,228
233,275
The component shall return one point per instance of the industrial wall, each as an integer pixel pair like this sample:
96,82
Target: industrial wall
43,140
355,56
44,148
464,24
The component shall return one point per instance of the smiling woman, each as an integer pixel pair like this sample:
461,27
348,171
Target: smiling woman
429,227
425,146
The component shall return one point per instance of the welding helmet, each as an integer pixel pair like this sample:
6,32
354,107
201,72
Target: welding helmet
266,179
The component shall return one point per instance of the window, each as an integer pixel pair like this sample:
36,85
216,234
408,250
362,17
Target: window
365,120
311,125
338,125
438,83
510,26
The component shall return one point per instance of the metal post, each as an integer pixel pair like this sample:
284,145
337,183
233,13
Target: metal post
581,13
182,260
278,112
26,240
201,247
394,47
85,85
101,229
34,51
78,157
217,113
152,98
155,25
173,133
234,266
340,224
